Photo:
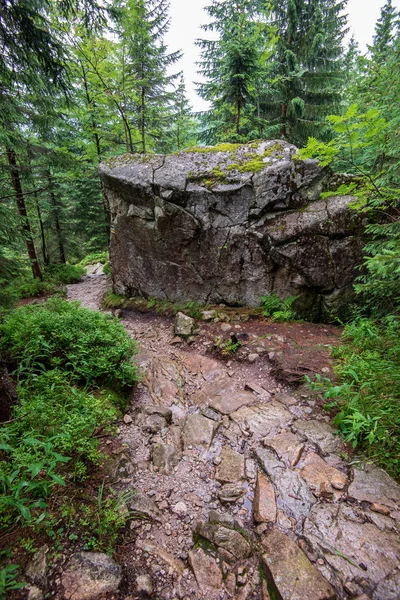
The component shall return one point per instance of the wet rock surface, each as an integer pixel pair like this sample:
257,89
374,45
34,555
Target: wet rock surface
218,492
229,226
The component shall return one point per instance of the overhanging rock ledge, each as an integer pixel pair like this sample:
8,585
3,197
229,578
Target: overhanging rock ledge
228,224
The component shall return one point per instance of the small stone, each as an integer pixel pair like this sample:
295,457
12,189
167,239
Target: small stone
231,492
198,431
176,340
264,505
320,476
184,325
144,585
325,370
34,593
208,315
379,508
90,575
128,419
233,542
180,508
232,467
218,518
165,457
253,357
226,327
230,583
287,446
36,570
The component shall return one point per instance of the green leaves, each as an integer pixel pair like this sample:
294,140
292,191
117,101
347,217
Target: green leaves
92,347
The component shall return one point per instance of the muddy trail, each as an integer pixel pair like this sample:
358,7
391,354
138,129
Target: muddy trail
242,489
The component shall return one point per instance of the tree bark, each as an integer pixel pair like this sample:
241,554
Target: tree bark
56,216
16,182
46,258
8,393
284,119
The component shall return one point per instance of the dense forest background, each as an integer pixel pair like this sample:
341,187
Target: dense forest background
82,81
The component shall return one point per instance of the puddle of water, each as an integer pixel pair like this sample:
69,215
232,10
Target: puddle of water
248,497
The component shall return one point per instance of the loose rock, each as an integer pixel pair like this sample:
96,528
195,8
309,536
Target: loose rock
198,431
184,325
90,575
232,466
144,586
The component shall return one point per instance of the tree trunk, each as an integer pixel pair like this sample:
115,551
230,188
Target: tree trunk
238,115
284,119
142,123
54,204
91,106
46,258
16,182
8,393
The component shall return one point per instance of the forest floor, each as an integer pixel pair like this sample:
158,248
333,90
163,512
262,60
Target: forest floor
242,486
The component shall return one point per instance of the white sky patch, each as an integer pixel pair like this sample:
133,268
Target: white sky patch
188,15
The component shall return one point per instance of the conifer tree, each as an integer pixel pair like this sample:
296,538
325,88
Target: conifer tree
182,130
230,65
142,25
384,32
309,67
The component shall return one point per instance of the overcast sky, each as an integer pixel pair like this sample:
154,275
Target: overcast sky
188,15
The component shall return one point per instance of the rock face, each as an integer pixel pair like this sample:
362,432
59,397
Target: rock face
229,224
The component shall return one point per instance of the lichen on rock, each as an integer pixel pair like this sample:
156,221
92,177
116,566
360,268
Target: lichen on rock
229,224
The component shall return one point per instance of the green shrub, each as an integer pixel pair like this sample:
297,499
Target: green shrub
95,257
54,278
53,408
8,580
279,310
368,390
64,274
92,347
28,473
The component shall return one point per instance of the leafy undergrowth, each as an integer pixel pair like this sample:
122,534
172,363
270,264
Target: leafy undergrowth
367,394
279,310
74,370
55,277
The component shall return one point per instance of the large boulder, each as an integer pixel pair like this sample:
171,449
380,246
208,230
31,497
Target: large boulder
229,224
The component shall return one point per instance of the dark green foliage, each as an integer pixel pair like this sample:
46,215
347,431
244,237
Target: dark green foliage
55,277
231,65
58,347
384,32
368,393
91,347
279,310
308,70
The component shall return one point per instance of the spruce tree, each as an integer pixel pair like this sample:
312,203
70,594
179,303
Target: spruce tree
384,32
230,65
308,77
142,25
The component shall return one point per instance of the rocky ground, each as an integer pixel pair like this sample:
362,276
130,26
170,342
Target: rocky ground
241,488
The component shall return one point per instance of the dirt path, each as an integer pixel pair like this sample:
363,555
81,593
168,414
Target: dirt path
241,482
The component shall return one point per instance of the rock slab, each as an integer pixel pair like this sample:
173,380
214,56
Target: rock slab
290,572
